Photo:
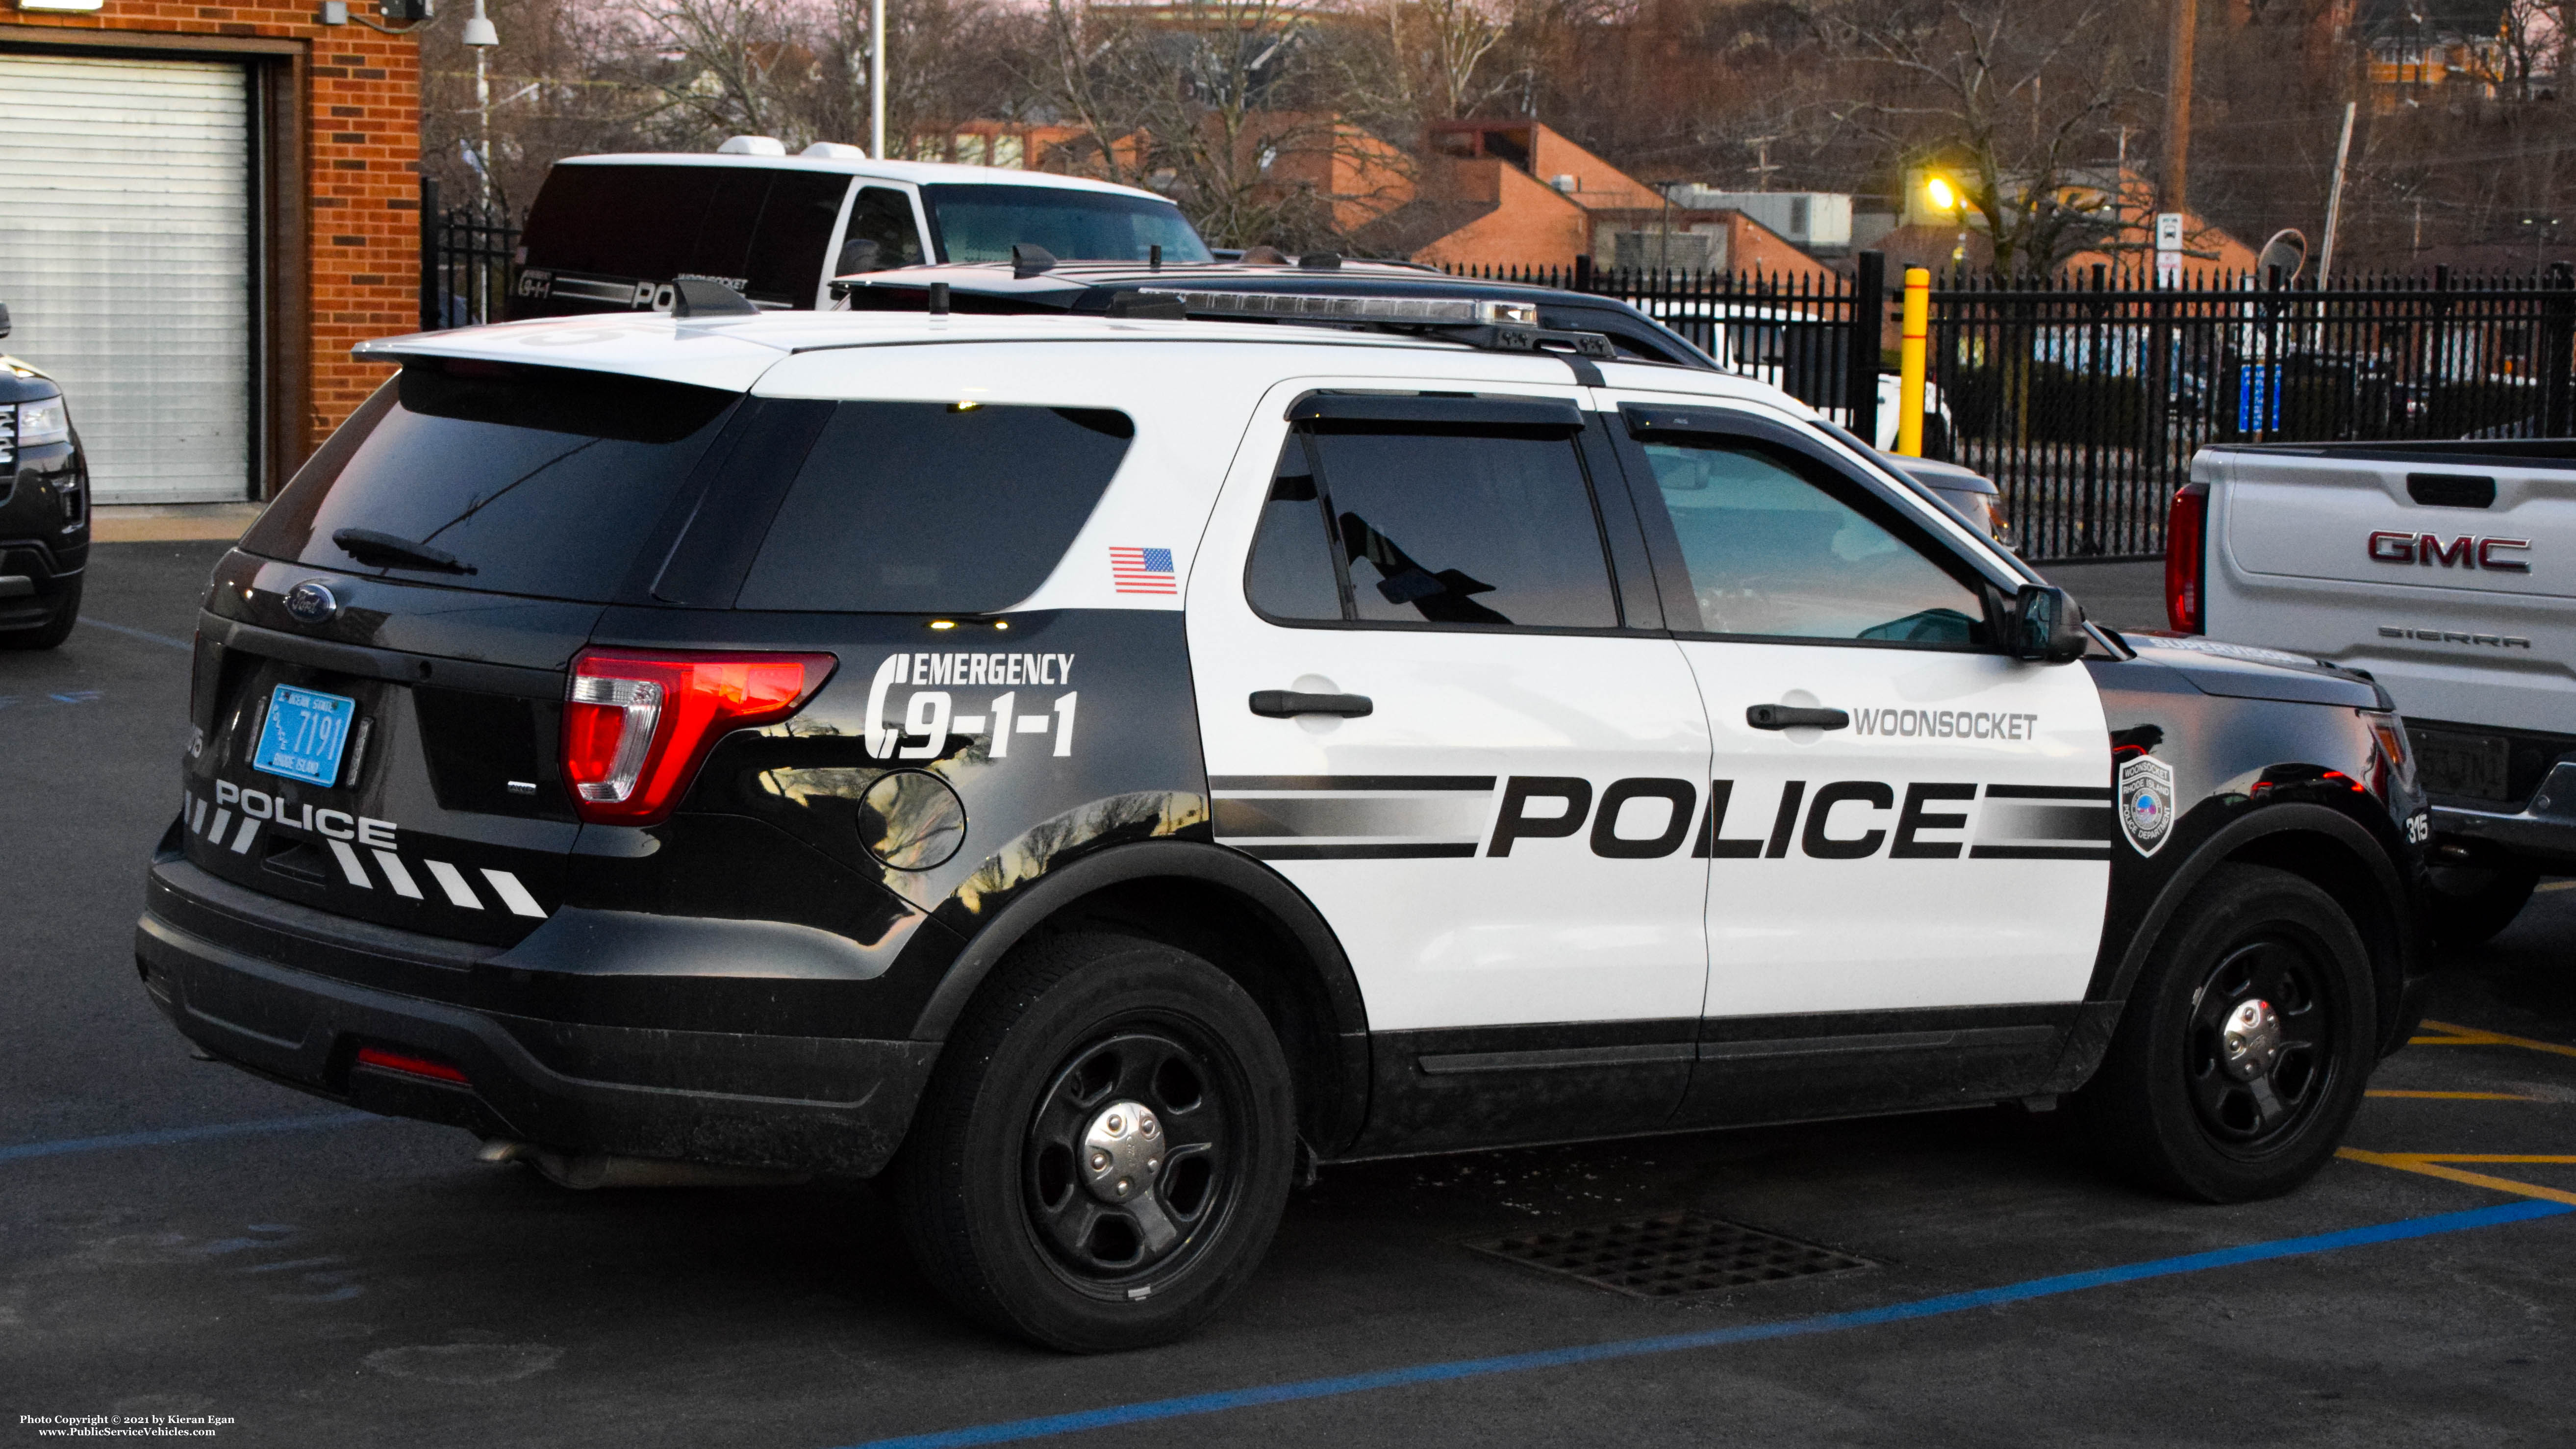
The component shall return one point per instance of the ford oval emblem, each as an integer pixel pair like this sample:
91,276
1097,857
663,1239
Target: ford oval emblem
311,602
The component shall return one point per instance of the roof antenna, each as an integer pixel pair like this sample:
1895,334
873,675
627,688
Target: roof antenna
696,297
1028,259
939,299
1154,257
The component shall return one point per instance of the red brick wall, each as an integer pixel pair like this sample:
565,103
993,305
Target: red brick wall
359,193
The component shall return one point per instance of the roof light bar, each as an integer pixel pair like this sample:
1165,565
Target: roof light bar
1322,307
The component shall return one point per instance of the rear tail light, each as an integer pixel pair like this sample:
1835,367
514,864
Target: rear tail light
637,726
2186,560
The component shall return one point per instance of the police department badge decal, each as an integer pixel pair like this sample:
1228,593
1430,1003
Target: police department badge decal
2146,802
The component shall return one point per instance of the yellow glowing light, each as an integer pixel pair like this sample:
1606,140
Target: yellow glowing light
967,406
1942,197
943,623
1001,623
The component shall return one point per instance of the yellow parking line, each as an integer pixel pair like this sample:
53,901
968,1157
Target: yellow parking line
2556,885
2451,1096
2432,1165
2473,1036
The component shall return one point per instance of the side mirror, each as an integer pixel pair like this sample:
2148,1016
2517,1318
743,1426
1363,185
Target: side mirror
2046,626
4,319
858,254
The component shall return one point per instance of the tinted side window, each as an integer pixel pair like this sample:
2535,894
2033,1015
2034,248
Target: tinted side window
1291,574
786,259
1440,527
924,508
765,230
1774,549
884,216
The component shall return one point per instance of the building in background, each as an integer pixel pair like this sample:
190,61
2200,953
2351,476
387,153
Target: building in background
202,208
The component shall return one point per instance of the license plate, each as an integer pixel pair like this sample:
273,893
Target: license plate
304,734
2469,766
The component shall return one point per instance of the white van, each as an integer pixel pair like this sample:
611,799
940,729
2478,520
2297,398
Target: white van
613,233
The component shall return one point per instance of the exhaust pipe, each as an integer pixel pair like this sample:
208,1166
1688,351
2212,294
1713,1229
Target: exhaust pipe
582,1171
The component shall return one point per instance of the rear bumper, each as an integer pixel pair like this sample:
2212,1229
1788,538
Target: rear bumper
834,1105
2542,832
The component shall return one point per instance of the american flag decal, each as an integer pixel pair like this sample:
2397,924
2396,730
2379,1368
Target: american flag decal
1143,571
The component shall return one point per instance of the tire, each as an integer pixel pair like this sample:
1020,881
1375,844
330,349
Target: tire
2469,905
1009,1184
2166,1110
51,633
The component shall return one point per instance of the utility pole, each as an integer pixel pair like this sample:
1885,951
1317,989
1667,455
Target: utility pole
1761,167
2334,199
2178,55
876,79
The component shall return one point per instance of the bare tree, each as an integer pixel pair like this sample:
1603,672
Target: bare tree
2018,105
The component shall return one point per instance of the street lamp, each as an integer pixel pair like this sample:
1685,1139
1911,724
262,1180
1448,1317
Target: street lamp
480,35
1945,198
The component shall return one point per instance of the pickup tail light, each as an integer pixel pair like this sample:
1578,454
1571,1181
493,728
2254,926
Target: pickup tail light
637,726
2187,560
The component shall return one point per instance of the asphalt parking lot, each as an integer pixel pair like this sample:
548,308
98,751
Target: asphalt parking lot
178,1238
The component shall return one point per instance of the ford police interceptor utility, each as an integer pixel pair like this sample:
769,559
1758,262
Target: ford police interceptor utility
1090,770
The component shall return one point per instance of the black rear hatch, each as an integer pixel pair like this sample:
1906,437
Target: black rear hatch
381,670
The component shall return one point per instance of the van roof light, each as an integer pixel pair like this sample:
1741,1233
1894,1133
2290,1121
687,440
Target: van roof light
835,151
752,146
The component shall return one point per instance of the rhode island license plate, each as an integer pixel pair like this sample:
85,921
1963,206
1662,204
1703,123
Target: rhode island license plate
304,734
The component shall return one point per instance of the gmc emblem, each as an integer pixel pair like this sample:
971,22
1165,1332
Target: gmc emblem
2462,552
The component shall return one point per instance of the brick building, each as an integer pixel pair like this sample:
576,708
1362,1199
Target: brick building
202,207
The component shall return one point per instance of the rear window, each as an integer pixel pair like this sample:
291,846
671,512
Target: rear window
543,481
982,223
934,507
764,231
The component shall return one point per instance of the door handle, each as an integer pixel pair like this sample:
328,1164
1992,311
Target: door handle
1790,716
1288,703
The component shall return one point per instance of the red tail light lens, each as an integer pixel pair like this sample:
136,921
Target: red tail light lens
2187,560
637,726
409,1065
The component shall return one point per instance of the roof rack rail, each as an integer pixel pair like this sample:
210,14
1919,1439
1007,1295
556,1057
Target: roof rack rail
1480,323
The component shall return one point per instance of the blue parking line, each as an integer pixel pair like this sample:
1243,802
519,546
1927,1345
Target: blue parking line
171,1136
1429,1373
137,633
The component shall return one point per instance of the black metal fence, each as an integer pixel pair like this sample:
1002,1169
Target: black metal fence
467,261
2085,398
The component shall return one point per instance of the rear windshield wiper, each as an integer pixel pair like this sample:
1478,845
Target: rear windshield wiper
392,551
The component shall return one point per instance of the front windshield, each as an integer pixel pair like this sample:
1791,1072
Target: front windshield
983,223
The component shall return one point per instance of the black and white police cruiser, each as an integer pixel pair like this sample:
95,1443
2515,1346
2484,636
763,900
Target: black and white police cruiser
1091,770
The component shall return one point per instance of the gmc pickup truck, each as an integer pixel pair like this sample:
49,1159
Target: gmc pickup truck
2446,572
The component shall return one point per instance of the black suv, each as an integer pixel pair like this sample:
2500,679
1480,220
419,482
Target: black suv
44,508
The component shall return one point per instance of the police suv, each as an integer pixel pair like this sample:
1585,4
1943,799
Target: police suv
1093,769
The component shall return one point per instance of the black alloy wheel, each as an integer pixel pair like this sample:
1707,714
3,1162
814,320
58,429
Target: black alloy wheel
1131,1159
2244,1045
2262,1042
1105,1149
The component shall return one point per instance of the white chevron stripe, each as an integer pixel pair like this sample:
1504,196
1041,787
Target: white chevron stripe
242,838
452,881
397,876
222,818
349,865
513,894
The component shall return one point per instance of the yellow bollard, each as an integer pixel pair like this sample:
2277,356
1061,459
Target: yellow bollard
1909,383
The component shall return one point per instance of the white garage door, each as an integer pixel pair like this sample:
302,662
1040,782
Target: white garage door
125,249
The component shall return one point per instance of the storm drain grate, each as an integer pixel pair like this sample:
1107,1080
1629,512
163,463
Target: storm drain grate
1666,1256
